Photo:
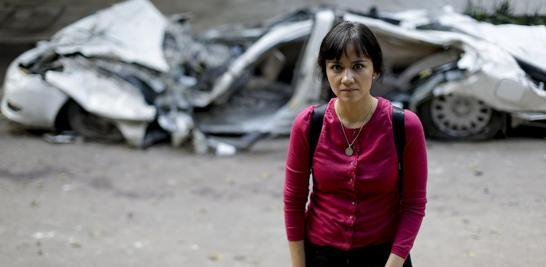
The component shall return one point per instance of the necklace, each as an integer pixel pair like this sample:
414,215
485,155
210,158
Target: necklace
349,149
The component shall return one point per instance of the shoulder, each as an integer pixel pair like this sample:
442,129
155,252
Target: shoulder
302,120
300,129
412,125
411,120
305,115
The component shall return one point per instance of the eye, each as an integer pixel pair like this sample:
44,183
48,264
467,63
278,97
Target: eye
335,67
358,66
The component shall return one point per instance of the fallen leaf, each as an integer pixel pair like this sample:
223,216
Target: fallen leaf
266,175
216,256
34,204
475,168
75,244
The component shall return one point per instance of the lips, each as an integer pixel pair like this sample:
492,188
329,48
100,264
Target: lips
348,90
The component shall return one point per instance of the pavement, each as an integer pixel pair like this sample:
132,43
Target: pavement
96,204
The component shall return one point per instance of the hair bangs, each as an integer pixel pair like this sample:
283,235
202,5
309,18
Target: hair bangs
341,42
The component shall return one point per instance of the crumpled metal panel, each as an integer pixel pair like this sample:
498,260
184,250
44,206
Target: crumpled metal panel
100,94
276,35
133,132
486,65
522,41
307,88
131,31
179,124
39,103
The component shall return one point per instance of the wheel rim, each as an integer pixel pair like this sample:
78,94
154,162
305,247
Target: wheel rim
460,116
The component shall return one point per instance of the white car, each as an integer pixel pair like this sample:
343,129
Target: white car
143,77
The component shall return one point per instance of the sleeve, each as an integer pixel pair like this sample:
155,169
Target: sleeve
296,185
414,184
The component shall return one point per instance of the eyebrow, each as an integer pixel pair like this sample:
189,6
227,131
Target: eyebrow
360,61
352,62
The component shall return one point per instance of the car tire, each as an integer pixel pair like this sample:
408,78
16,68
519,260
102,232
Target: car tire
91,126
455,118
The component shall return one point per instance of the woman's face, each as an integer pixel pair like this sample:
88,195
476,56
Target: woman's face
351,76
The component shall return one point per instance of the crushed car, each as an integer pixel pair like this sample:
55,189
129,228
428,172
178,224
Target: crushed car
131,73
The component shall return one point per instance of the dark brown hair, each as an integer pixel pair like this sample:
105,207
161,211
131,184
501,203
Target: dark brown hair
347,33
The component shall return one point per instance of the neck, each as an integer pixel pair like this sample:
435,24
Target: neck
355,114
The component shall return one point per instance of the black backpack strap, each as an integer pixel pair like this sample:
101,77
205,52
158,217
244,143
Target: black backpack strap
399,132
315,127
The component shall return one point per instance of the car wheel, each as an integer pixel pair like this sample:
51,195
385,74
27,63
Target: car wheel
456,117
91,126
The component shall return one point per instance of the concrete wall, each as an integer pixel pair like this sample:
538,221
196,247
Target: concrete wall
31,20
208,13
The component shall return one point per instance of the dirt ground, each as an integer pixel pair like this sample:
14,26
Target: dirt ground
92,204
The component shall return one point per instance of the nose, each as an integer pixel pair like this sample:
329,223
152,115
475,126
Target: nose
347,77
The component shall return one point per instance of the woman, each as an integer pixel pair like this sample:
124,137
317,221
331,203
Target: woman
357,213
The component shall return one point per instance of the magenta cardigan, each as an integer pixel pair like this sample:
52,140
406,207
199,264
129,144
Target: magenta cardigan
355,199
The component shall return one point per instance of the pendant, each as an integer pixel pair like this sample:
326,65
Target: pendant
349,151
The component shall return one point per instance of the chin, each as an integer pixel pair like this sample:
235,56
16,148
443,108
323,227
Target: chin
349,98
